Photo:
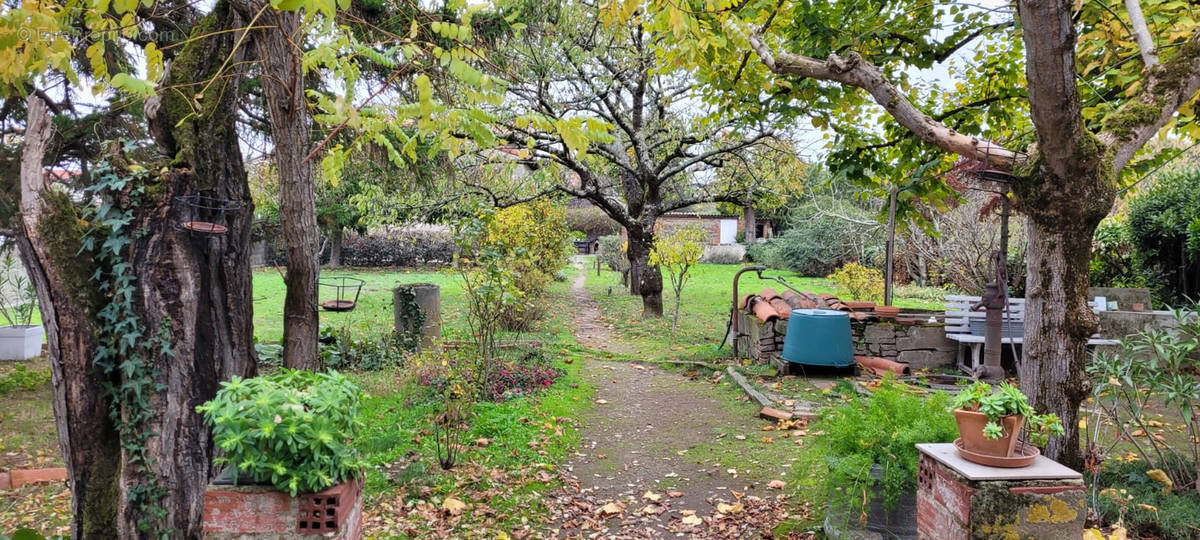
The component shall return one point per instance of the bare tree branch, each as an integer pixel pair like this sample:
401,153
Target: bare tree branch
1141,33
855,71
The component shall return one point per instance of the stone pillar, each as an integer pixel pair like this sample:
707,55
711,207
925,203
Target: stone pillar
957,499
429,300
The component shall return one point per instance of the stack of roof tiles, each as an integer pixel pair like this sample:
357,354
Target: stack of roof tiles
769,305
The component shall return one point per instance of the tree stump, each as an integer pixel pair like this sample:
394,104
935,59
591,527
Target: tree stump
427,320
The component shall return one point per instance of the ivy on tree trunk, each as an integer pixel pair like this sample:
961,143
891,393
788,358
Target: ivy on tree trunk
193,287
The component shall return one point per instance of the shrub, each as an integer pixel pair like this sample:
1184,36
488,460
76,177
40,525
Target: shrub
859,282
534,241
1151,368
728,254
1164,225
592,222
23,378
818,241
407,247
882,430
291,429
342,349
1113,263
612,253
525,373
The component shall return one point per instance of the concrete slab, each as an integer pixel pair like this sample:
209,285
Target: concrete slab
1042,468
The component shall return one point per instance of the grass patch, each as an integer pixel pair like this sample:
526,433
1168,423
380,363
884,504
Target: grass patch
1127,493
27,415
374,309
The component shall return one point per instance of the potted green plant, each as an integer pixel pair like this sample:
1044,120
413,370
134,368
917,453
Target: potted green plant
285,439
19,339
867,445
991,419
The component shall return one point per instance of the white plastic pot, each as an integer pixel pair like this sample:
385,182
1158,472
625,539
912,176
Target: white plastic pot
20,342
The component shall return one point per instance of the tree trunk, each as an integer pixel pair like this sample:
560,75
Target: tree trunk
336,236
648,278
1063,213
1052,369
283,83
750,224
194,288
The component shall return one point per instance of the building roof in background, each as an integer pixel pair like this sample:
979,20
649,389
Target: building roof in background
702,210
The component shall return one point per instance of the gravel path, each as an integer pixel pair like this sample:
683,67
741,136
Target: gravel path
635,474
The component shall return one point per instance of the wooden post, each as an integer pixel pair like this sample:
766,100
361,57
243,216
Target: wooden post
429,300
891,247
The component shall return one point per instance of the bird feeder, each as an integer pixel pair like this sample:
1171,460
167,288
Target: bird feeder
202,214
345,293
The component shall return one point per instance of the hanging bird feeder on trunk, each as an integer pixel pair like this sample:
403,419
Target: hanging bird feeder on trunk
345,290
203,214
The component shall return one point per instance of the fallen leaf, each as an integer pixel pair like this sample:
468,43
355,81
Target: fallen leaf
675,494
1161,477
454,506
610,509
729,508
775,484
692,520
651,496
652,510
740,437
602,402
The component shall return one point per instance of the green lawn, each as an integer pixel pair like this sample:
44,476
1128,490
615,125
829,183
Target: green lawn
374,309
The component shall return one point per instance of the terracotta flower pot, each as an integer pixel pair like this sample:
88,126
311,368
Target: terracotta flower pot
970,429
887,312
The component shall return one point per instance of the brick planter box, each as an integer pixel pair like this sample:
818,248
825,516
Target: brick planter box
262,512
957,499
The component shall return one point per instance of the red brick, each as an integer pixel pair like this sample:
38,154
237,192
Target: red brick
248,511
20,477
5,481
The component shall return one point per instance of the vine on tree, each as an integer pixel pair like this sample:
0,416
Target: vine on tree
410,310
126,348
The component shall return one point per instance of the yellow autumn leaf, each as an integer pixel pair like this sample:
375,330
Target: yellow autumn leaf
454,506
1161,477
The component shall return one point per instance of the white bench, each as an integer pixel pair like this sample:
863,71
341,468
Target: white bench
958,328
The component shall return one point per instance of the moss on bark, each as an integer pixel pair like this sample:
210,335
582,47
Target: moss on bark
62,230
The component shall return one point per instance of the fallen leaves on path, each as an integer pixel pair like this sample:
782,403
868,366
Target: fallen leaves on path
582,514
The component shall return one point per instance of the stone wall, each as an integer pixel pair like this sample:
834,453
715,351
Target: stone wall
919,344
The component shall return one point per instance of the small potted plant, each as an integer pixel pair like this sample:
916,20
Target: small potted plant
19,339
285,439
991,419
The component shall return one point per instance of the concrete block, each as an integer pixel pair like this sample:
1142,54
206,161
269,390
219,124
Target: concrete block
927,359
926,337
